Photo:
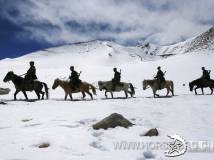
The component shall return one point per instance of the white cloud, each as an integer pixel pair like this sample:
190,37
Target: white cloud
166,21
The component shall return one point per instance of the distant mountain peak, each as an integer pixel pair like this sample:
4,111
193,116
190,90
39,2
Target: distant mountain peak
203,41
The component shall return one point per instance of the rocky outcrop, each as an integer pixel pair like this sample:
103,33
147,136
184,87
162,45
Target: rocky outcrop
152,132
112,121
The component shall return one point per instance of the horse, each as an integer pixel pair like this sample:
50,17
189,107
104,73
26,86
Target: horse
154,84
68,89
199,83
22,85
108,87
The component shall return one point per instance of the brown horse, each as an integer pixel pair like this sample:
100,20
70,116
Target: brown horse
68,89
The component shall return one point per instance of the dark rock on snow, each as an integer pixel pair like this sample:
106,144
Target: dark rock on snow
112,121
3,103
152,132
44,145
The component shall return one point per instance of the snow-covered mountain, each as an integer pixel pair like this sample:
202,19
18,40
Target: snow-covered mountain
203,42
98,51
104,51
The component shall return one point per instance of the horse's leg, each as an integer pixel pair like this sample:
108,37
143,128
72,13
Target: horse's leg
70,95
126,94
39,90
172,91
25,94
196,91
154,93
202,90
211,90
38,95
42,93
112,95
83,95
90,94
167,92
130,93
16,94
66,95
106,94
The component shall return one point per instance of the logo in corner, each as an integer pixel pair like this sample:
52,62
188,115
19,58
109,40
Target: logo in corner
177,147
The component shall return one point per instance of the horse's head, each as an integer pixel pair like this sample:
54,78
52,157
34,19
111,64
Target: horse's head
9,76
145,84
56,83
101,86
191,87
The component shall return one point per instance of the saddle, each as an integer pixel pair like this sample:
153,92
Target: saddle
75,87
29,84
116,84
160,83
206,81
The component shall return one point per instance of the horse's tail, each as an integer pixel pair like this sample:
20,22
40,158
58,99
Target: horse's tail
46,90
132,88
172,88
93,89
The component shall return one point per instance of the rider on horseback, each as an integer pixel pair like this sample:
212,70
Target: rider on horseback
74,78
31,73
116,79
160,77
206,74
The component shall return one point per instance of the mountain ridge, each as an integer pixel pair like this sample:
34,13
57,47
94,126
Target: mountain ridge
148,51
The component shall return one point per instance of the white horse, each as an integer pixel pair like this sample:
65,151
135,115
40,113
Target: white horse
154,84
108,87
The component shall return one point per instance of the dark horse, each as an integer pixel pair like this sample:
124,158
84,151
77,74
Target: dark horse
200,83
22,85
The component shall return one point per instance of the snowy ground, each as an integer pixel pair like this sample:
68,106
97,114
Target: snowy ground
67,125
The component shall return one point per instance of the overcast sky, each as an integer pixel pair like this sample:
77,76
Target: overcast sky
33,24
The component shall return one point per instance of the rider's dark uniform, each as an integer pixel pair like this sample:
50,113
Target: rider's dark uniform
74,78
116,79
160,77
206,74
31,73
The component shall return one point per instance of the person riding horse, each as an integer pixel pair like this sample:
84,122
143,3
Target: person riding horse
206,74
74,78
160,77
31,73
116,79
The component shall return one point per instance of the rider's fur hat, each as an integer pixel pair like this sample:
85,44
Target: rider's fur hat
71,67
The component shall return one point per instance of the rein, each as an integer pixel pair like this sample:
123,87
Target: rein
22,75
